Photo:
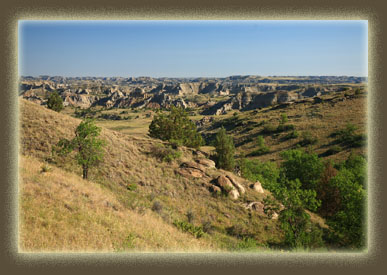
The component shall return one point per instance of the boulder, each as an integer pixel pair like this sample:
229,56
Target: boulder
257,187
236,184
190,172
193,165
206,162
224,183
274,216
215,189
233,194
257,206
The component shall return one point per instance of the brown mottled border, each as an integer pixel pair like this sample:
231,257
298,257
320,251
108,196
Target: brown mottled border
13,262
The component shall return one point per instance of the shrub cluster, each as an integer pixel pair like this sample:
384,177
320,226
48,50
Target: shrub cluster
175,126
165,153
308,139
55,102
348,137
196,231
304,181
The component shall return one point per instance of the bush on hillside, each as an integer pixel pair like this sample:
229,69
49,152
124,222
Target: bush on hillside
348,137
262,147
308,139
293,134
224,147
55,102
177,127
165,153
254,170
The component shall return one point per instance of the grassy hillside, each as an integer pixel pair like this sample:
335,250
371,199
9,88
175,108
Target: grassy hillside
132,197
62,212
319,119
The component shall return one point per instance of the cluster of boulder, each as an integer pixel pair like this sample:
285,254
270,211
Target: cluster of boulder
225,183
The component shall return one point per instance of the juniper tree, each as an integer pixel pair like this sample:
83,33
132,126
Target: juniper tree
224,147
175,127
55,102
87,144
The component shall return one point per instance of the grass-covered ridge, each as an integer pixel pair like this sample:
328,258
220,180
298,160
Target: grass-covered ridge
135,179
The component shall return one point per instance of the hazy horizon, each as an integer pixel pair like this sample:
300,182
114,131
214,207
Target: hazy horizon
193,49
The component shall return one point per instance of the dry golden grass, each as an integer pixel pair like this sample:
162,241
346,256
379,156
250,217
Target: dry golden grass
128,160
62,212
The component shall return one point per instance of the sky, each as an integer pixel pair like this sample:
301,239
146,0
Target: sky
192,48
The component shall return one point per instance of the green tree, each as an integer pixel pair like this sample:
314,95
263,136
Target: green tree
87,144
307,167
55,102
348,222
224,147
298,229
255,170
176,127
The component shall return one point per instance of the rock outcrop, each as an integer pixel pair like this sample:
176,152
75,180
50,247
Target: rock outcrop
257,187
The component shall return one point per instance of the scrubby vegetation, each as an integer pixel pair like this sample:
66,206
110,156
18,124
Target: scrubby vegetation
303,182
175,127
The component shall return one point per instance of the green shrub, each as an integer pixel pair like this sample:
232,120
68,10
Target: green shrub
263,149
295,222
165,154
348,222
131,187
284,118
55,102
306,167
265,172
348,137
260,151
308,139
247,244
196,231
269,129
175,126
224,147
85,113
291,135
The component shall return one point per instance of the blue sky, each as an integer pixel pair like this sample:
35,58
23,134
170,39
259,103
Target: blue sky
192,48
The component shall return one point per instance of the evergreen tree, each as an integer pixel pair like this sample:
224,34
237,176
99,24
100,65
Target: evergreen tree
224,147
55,102
176,127
86,143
